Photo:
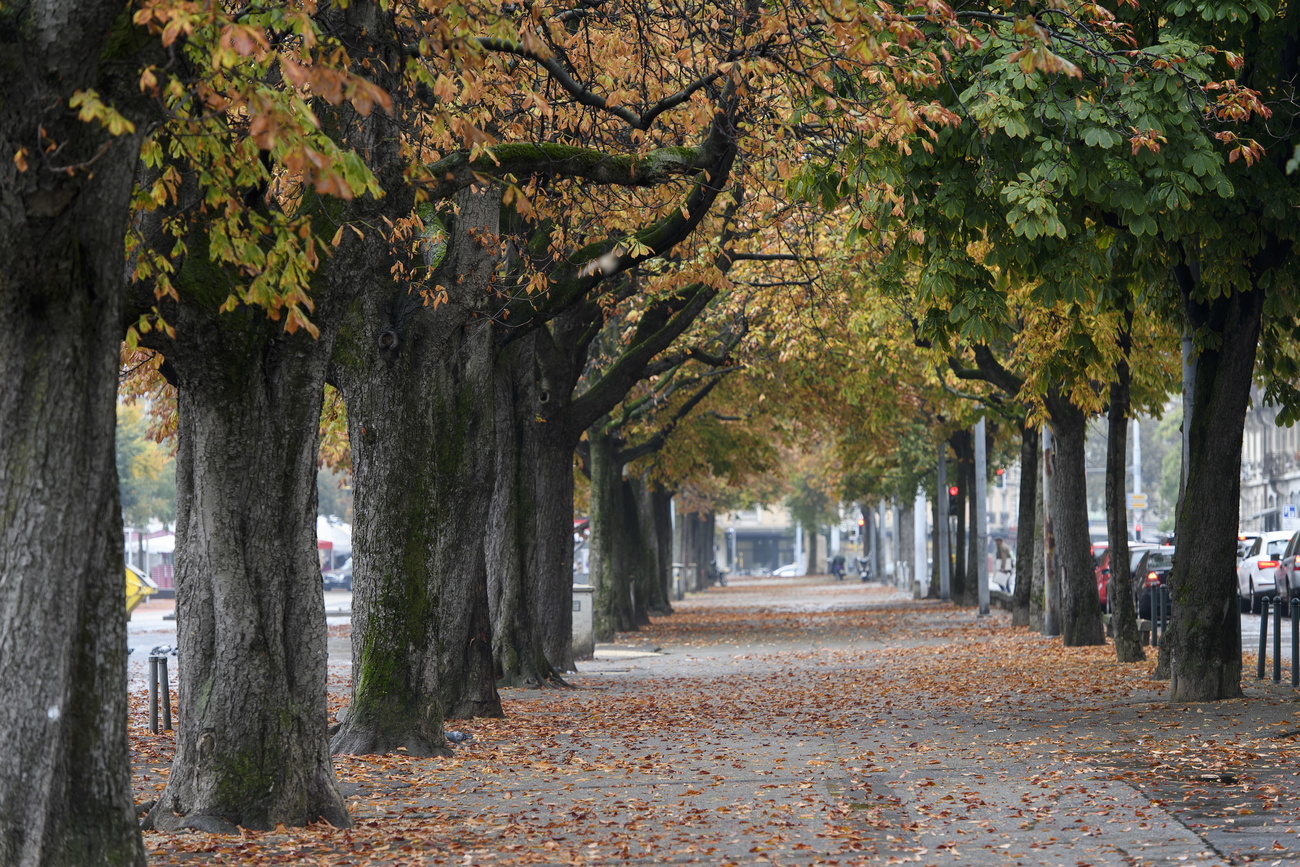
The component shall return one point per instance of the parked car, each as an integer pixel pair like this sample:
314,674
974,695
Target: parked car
1258,570
1285,582
789,570
338,579
1151,569
1244,543
1101,567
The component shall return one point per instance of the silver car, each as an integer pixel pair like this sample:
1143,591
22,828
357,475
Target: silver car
1258,569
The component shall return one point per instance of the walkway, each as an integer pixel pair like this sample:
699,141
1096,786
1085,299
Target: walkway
804,721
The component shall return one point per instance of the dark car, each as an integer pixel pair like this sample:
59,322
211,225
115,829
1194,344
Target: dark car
1285,582
338,579
1151,569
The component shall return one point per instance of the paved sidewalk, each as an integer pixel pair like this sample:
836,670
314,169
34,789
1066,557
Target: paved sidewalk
805,721
797,738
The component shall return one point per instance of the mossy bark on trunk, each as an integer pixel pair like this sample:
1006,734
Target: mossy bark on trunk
513,541
1119,586
1080,606
1026,525
1204,637
252,749
418,384
65,777
612,607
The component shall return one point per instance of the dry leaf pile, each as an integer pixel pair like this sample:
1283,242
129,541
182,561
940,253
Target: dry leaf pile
816,723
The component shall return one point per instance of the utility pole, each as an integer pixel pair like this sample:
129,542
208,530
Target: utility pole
941,528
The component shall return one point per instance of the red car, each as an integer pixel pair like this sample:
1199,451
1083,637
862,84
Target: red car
1101,567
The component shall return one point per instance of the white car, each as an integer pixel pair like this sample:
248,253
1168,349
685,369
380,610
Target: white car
1258,569
789,570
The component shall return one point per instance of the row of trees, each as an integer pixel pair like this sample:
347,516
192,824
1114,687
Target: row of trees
504,232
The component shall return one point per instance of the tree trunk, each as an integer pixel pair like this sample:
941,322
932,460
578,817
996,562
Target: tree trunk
1080,607
65,786
1038,591
1026,524
417,382
512,543
661,508
1123,615
962,448
904,536
810,538
653,589
974,544
940,526
611,588
1204,637
252,747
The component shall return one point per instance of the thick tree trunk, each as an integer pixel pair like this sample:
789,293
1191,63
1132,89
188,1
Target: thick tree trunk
810,536
1038,591
652,586
418,384
974,544
661,510
612,609
1026,524
1204,637
1123,615
252,747
1080,607
65,787
962,448
512,540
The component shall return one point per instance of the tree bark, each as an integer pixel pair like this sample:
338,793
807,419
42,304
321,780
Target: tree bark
1080,607
963,451
1026,524
652,586
1038,593
1204,637
65,787
612,609
512,543
252,747
1123,615
973,541
418,383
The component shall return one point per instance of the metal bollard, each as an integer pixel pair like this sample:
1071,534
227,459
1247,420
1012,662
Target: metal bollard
1295,644
1277,639
153,695
165,689
1263,637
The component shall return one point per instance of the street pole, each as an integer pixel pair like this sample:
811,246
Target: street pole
941,528
1137,476
981,517
920,575
1051,593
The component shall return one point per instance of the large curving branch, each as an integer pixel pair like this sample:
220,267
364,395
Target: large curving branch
455,172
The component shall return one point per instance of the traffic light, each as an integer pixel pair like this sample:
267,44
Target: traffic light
862,522
1001,477
952,500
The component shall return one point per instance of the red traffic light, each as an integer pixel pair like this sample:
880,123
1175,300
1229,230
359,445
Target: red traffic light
862,522
998,471
952,492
